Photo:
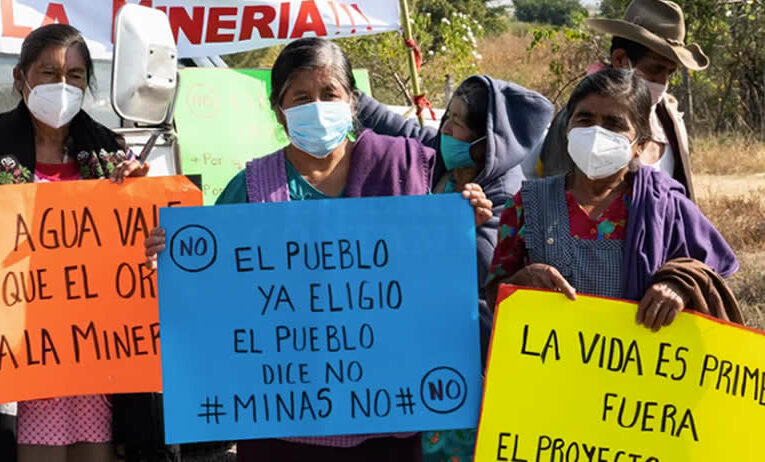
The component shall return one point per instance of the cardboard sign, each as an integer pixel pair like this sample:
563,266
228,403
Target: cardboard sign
224,120
78,305
580,381
205,27
317,318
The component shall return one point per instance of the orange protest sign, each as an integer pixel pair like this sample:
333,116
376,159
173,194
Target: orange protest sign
78,305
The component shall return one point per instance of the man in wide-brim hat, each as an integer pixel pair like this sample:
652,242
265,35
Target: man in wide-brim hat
651,40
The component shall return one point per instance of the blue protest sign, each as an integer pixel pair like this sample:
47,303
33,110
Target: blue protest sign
318,318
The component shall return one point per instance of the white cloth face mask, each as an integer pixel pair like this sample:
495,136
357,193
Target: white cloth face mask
598,152
54,104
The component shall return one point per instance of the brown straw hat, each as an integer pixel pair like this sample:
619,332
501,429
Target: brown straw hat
658,25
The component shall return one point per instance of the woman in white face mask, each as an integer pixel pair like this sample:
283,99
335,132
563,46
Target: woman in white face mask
49,138
603,230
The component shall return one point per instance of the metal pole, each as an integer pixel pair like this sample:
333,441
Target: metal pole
412,62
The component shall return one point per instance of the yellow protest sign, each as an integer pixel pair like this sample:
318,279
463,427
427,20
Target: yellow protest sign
579,381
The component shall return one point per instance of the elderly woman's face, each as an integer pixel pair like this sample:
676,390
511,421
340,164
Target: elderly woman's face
54,65
313,85
605,112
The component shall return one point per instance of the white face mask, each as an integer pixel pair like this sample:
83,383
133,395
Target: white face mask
599,153
54,104
658,90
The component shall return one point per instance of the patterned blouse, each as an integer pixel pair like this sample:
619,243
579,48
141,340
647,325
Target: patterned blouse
510,255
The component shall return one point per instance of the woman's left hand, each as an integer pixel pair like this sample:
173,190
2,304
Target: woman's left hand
660,305
481,205
129,168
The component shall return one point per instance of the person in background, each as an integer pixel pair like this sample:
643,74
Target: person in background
650,39
313,93
48,138
611,227
486,133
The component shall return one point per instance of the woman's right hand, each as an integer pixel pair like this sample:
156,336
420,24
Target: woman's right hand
541,276
153,245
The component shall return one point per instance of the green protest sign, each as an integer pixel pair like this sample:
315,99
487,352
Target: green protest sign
224,119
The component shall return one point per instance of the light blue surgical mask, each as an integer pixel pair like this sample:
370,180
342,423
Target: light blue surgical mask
319,128
456,153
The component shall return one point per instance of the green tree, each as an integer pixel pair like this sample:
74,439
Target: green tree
613,9
555,12
447,32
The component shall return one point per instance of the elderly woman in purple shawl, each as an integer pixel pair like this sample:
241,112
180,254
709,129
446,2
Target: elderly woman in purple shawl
611,227
313,94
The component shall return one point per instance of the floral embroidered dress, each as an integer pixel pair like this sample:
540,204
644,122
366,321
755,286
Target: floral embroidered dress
60,421
510,255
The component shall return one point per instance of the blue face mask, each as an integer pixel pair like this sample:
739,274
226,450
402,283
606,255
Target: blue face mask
319,128
456,153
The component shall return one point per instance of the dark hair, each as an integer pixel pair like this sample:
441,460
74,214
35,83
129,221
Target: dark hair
62,35
621,84
635,51
310,53
474,93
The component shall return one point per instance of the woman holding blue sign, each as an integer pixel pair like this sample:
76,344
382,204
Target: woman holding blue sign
313,95
613,228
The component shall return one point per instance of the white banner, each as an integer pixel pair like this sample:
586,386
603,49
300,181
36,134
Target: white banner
205,27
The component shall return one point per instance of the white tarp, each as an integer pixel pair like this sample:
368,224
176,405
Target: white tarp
205,27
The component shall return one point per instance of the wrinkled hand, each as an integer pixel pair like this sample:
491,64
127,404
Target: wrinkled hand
153,245
129,168
660,305
543,276
481,205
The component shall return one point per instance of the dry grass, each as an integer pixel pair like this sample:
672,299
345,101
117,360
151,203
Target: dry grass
506,57
728,155
749,286
741,219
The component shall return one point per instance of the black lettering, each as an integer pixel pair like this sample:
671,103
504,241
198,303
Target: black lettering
237,340
501,446
263,266
137,339
240,260
48,347
154,329
131,284
293,249
238,403
345,252
146,278
381,253
20,223
326,254
323,397
705,368
5,350
77,333
122,344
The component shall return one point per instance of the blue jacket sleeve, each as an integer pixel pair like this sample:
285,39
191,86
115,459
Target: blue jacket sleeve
374,115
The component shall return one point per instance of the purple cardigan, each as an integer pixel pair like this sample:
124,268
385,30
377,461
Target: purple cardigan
380,166
663,224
